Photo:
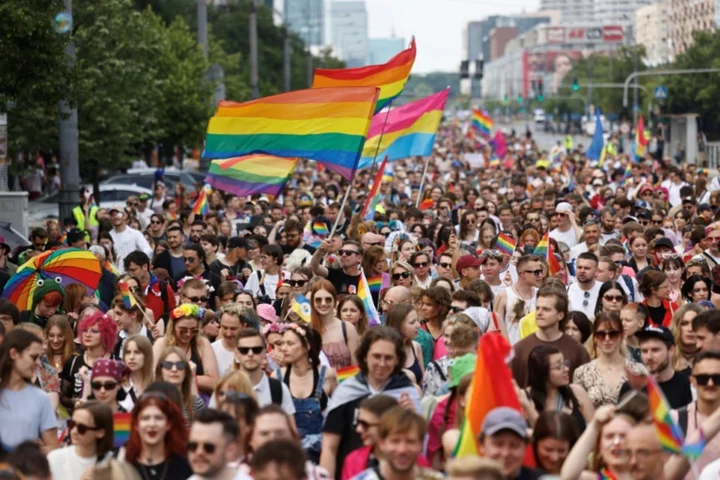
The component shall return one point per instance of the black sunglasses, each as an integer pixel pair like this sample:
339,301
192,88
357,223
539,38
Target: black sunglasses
104,385
168,365
445,265
344,253
197,299
703,379
189,259
81,427
208,448
398,276
611,334
255,350
456,309
421,265
297,283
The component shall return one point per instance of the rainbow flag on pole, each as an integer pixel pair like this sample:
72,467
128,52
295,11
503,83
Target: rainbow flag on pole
347,372
505,243
364,294
368,211
251,175
389,77
406,131
542,247
202,205
121,428
128,297
640,140
328,125
482,122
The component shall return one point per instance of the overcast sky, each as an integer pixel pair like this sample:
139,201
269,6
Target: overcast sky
436,24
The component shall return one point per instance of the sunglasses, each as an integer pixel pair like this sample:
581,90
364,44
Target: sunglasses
613,298
398,276
703,379
190,259
323,300
365,425
208,448
81,427
197,299
297,283
168,365
537,272
254,350
456,309
347,253
445,265
421,265
187,331
611,334
155,222
104,385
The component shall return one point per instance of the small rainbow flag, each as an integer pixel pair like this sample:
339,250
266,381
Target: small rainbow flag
389,77
201,205
542,247
364,294
62,239
320,228
556,154
371,203
128,297
606,474
121,427
482,122
375,283
641,140
494,162
302,307
347,372
554,265
427,204
506,244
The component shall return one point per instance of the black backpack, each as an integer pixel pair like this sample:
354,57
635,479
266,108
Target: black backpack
276,393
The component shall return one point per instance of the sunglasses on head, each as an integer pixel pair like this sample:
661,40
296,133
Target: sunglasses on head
255,350
704,378
81,427
208,448
611,334
398,276
168,365
297,283
103,385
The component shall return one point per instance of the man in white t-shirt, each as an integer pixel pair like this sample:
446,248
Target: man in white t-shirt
583,294
263,283
226,344
126,238
711,256
591,236
567,230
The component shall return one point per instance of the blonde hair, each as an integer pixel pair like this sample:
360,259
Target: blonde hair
32,328
236,381
476,467
61,321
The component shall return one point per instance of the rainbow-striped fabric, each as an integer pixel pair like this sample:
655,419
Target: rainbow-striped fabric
482,122
251,175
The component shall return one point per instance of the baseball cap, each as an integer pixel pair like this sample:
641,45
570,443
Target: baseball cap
504,418
664,242
652,331
237,242
467,261
117,208
689,200
143,197
563,207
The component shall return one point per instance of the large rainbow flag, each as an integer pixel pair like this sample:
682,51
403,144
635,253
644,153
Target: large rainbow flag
491,387
405,131
328,125
482,122
389,77
251,175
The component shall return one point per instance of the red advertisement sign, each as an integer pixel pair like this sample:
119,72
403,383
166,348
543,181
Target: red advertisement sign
555,34
613,33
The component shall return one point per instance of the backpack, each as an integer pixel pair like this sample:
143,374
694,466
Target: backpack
683,419
276,393
164,297
628,282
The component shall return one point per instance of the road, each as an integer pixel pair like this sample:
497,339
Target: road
544,140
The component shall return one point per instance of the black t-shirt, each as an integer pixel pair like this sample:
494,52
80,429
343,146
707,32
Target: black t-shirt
235,272
70,373
656,314
287,250
174,467
341,421
676,390
344,284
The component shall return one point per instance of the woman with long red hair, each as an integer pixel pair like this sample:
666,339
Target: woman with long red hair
339,338
156,447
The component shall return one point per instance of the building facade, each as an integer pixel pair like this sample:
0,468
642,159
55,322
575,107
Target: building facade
349,31
308,19
688,17
380,50
572,11
653,31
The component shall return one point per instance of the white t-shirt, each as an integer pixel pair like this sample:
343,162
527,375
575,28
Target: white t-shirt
568,238
65,463
270,283
262,390
224,357
578,249
584,301
126,242
711,471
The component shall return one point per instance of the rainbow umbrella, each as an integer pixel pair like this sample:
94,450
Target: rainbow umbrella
66,266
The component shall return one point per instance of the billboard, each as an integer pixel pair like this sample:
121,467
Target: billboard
554,64
555,34
607,34
613,33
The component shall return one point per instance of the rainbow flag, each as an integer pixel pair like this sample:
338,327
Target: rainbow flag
506,244
389,77
302,307
320,228
128,297
371,202
121,427
554,265
347,372
427,204
556,154
542,247
62,239
328,125
250,175
640,140
606,474
491,387
201,205
375,283
494,162
364,294
405,131
482,122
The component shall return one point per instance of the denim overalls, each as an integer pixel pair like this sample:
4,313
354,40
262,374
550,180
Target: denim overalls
309,416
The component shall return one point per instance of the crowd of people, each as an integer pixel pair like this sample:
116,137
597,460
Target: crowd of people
248,352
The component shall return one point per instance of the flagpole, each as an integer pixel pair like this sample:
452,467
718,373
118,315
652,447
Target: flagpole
422,181
342,209
382,132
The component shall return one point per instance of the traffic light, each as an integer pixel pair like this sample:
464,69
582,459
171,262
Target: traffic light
575,85
478,70
540,95
464,70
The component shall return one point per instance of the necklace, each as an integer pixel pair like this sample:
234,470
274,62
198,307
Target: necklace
150,472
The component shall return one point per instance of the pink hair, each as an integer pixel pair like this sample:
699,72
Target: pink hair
107,326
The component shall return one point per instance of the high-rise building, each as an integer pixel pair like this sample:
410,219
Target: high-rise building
572,11
652,29
690,16
380,50
307,18
349,31
477,34
618,12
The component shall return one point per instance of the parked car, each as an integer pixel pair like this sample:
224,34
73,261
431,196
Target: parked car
110,196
